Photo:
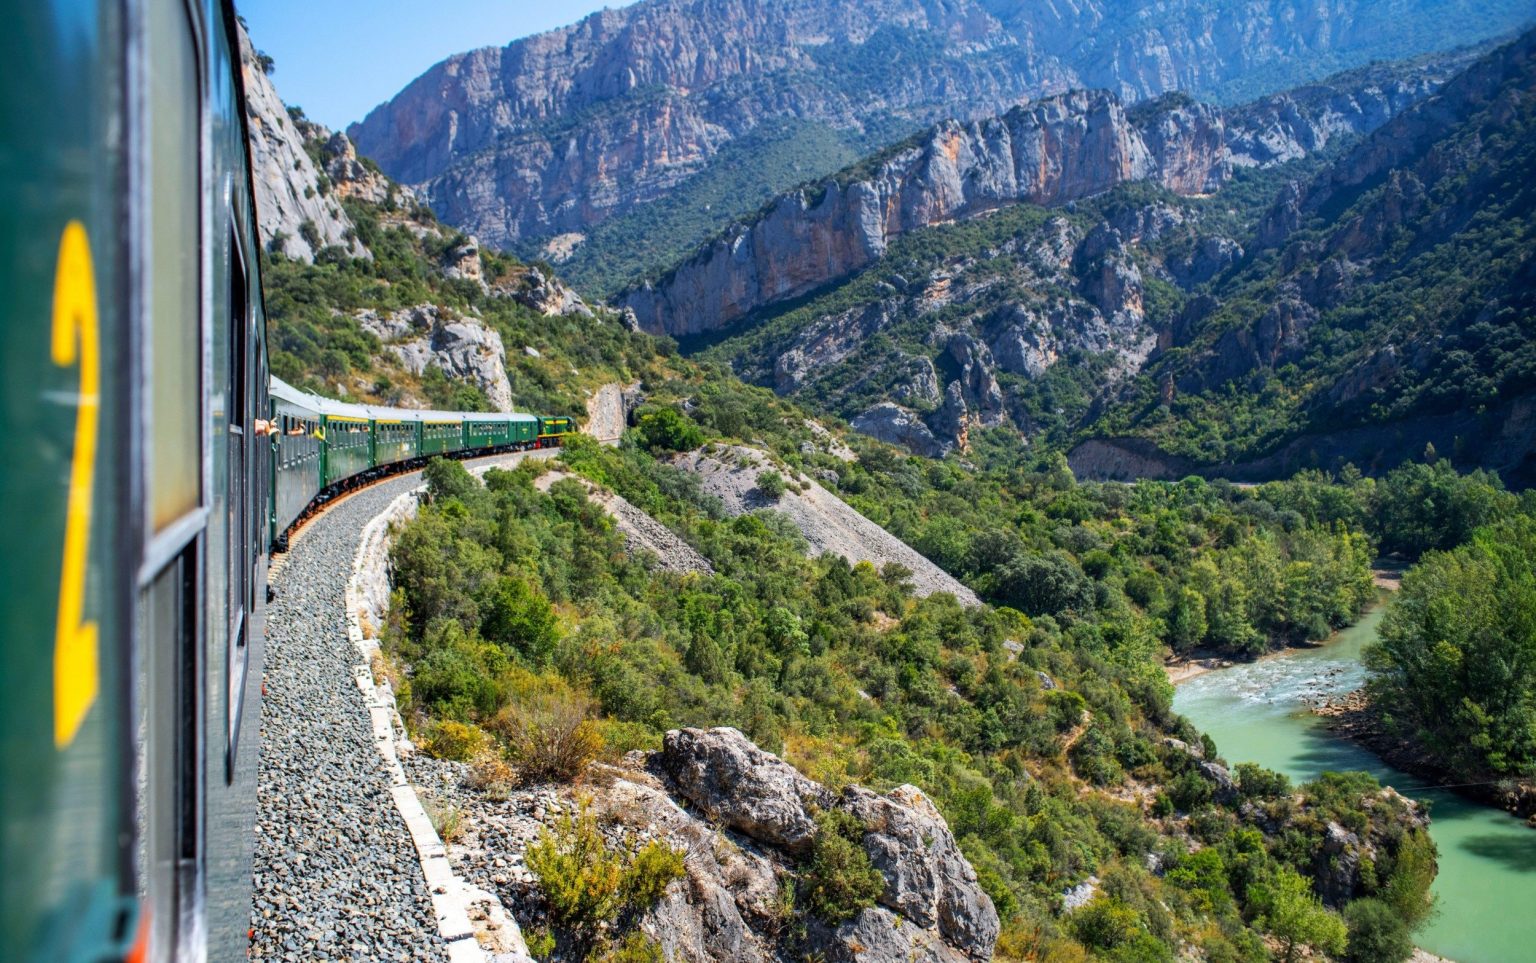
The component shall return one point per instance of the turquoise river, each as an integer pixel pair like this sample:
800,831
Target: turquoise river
1258,712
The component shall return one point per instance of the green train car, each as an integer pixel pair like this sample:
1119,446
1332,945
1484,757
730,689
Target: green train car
322,447
132,578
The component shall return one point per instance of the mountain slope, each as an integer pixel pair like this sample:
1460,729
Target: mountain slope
1047,153
1018,319
1391,304
556,133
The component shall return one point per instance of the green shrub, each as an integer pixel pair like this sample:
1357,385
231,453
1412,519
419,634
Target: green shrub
839,881
1105,923
653,869
540,942
589,885
633,947
1377,934
1256,782
548,731
667,429
457,741
770,484
517,617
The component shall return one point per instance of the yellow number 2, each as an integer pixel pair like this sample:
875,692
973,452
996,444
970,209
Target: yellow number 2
76,338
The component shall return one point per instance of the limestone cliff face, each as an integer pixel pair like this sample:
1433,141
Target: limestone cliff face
1427,204
1049,152
559,131
292,212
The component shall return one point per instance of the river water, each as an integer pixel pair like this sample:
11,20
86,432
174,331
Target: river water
1257,712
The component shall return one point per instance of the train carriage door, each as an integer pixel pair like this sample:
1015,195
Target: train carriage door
242,488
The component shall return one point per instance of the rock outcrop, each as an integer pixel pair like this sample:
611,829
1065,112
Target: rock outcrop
932,906
557,132
743,788
292,213
744,820
1048,153
425,337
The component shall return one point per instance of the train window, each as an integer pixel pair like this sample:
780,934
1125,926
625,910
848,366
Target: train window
175,361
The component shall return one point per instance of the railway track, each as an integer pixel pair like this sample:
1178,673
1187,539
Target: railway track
336,873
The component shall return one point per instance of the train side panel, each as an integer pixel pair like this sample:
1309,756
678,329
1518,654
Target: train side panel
348,447
297,462
65,597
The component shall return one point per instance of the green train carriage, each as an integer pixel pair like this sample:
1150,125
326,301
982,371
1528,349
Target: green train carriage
132,364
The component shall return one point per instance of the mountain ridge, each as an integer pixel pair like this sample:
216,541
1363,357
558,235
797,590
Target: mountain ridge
1049,152
555,133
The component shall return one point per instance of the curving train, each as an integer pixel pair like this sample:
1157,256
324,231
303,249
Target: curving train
323,447
149,468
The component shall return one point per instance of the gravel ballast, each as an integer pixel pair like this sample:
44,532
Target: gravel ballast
336,874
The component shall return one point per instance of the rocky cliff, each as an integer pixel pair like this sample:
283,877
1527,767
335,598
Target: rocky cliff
294,214
1019,319
557,132
1390,306
419,326
1047,153
746,820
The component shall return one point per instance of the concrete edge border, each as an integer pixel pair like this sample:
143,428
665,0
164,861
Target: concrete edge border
451,895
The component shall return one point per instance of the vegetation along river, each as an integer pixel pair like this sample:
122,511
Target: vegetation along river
1258,712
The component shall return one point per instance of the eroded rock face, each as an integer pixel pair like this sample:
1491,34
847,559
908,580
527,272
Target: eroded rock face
892,423
350,176
927,879
1048,152
547,295
932,907
424,336
293,215
661,88
742,787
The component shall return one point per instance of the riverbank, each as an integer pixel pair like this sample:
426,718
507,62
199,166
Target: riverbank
1199,662
1353,716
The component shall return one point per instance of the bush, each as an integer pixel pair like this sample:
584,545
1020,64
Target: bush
1256,782
839,880
770,484
490,774
1106,923
635,947
549,733
1190,791
667,429
515,616
457,741
589,885
1376,933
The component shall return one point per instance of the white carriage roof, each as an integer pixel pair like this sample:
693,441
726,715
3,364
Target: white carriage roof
342,409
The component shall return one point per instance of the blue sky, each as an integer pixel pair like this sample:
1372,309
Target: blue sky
338,59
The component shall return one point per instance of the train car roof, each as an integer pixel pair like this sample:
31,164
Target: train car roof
345,409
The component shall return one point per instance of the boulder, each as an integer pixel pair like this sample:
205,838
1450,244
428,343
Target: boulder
877,935
1217,774
927,878
892,423
741,787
